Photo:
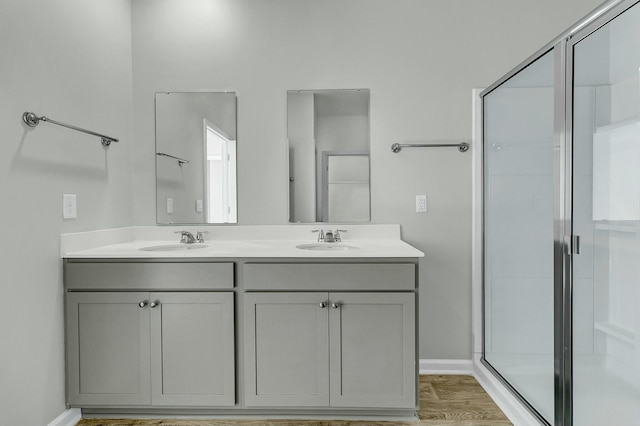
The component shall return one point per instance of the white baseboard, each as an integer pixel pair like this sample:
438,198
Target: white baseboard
68,418
509,404
446,366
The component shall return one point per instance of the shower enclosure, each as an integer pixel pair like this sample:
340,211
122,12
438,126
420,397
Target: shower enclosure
561,224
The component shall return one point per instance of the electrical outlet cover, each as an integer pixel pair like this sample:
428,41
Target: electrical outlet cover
421,203
69,206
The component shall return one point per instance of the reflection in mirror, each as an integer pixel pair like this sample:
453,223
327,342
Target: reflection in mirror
196,158
328,134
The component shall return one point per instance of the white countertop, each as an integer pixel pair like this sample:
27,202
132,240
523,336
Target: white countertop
251,249
363,241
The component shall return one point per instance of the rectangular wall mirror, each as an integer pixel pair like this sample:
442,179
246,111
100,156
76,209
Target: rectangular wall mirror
328,135
196,158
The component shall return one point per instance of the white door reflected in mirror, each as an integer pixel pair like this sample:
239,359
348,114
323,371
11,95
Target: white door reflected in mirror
221,175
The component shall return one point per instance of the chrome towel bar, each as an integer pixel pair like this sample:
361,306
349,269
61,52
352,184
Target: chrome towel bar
397,147
32,120
181,161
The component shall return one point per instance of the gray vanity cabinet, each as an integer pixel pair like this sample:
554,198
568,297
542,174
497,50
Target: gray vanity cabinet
330,349
316,337
158,348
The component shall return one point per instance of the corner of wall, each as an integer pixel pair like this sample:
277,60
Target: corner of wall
68,417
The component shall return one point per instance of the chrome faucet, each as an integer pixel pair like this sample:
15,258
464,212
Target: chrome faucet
320,235
329,236
186,237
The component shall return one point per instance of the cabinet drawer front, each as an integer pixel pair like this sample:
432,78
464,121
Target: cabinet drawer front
148,275
339,276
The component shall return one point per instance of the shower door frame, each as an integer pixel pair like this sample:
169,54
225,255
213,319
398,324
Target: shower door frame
558,51
565,241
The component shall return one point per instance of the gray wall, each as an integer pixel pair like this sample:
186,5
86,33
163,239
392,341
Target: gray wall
69,60
421,59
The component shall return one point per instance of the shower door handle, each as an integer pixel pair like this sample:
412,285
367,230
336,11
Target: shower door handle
571,244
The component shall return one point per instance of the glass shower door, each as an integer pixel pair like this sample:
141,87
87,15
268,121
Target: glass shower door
606,217
519,199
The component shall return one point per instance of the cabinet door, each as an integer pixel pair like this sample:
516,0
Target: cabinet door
192,349
108,349
373,360
286,349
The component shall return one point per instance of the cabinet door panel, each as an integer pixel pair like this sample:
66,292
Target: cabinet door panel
286,349
192,349
372,350
108,349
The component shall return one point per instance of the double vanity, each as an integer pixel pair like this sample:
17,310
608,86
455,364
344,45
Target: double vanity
254,321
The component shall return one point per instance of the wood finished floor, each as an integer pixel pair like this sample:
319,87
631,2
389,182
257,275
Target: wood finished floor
444,400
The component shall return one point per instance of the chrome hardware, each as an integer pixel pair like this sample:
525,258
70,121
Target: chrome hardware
336,235
186,237
154,304
142,304
571,244
322,305
32,120
320,235
576,244
181,161
335,305
329,238
397,147
200,236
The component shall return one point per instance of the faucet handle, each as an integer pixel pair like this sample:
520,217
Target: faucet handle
183,238
320,235
200,236
336,234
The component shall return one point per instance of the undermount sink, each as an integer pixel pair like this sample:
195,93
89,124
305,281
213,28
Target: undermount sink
174,247
327,247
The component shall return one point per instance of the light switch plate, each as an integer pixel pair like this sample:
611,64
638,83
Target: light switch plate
198,206
169,205
69,206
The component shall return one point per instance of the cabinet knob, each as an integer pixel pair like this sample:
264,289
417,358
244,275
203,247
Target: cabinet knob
154,304
142,304
322,305
335,305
